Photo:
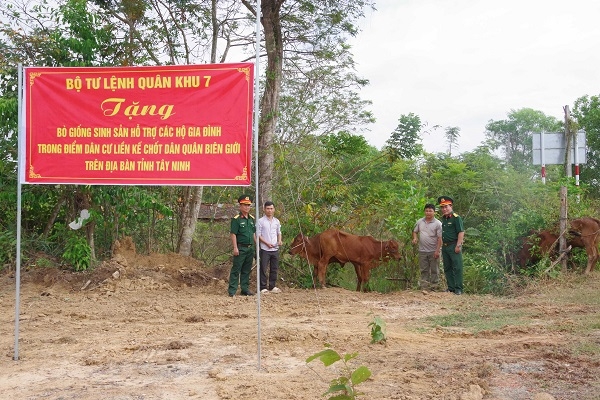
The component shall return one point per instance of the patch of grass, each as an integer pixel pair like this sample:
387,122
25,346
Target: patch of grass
586,323
595,325
579,296
571,287
44,262
379,281
478,321
587,348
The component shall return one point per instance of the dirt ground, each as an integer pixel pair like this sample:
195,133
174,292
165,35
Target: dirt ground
163,327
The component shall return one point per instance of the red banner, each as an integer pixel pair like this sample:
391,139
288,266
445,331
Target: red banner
166,125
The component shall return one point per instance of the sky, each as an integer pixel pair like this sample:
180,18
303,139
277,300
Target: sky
462,63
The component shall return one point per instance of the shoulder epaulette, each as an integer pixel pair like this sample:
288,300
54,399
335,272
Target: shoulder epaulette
237,216
251,216
455,214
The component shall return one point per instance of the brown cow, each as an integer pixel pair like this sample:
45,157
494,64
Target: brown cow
537,245
309,248
587,231
333,245
583,233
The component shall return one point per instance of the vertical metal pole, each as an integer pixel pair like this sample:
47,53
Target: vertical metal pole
576,161
543,157
256,197
576,158
18,258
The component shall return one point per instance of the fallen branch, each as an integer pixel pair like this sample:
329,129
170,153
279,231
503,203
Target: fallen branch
560,257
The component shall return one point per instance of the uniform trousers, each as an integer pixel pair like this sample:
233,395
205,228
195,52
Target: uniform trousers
453,267
240,270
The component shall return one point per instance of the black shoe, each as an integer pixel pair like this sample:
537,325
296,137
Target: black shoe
247,294
230,295
458,292
450,290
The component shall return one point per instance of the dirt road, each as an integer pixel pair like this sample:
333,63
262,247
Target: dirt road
162,327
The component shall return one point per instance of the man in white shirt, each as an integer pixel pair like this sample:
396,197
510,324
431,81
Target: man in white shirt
429,231
269,236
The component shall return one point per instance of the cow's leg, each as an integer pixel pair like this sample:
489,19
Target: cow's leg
315,274
322,272
592,252
366,274
359,281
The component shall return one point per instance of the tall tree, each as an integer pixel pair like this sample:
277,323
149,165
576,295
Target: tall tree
404,142
315,39
514,135
269,105
452,134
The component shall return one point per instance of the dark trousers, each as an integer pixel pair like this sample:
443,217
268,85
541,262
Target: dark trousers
269,264
240,270
453,267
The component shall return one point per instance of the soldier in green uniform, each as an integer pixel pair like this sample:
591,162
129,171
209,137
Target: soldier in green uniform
453,234
243,237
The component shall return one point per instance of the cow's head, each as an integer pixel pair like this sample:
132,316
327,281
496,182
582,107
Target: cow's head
298,245
391,250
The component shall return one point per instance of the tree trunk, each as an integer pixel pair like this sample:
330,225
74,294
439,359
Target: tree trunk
269,107
61,201
90,233
85,203
192,195
192,198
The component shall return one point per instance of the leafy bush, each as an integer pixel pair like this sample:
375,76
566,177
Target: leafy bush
78,253
8,245
482,275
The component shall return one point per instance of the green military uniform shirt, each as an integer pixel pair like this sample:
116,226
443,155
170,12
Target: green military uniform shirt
243,229
451,227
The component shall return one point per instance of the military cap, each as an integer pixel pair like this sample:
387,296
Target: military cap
245,199
445,200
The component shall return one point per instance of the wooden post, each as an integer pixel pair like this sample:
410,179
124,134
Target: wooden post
562,240
568,144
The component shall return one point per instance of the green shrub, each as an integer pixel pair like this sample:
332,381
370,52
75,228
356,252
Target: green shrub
8,246
77,253
482,276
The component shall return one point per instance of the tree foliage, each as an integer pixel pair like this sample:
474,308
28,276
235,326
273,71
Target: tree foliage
149,32
513,136
405,140
587,114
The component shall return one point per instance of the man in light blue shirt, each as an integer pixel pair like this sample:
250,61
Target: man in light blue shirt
269,236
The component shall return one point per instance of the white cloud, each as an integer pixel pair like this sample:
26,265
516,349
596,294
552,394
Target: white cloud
464,62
